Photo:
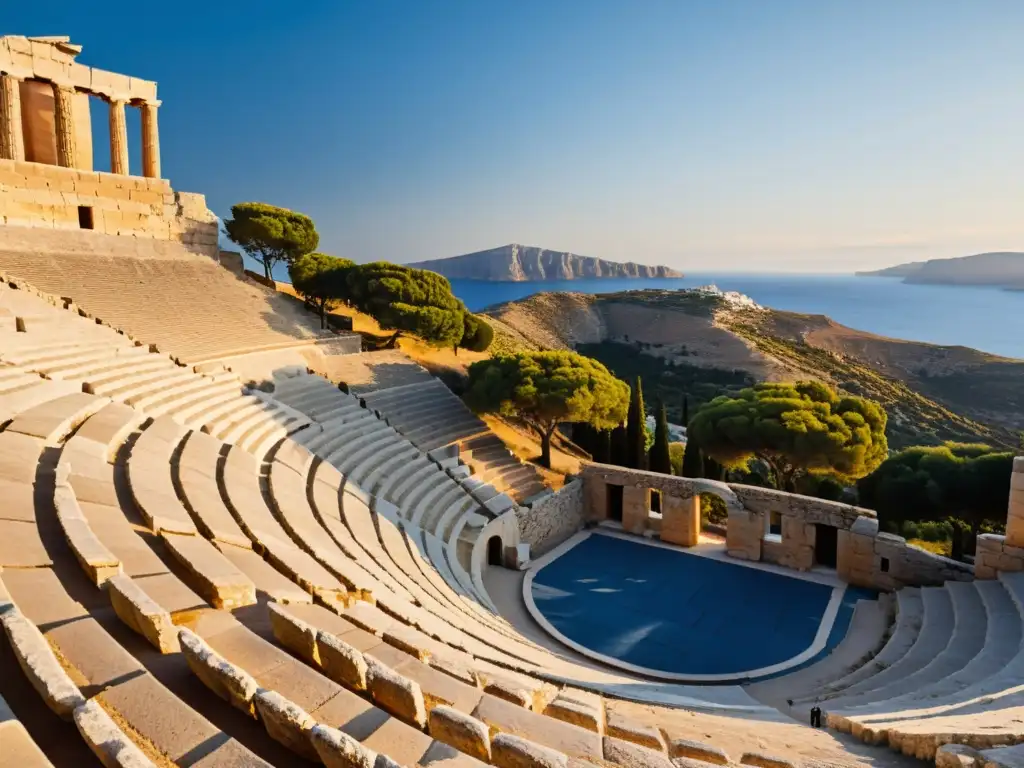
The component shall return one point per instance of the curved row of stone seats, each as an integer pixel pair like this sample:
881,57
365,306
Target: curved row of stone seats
142,292
329,486
418,409
909,614
243,643
865,637
19,750
168,432
59,692
418,415
397,546
395,549
970,693
958,756
377,458
72,349
297,703
938,631
118,684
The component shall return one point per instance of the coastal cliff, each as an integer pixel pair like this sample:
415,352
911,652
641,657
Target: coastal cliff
1000,269
521,263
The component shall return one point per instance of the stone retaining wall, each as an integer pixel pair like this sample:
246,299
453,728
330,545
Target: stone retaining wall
49,196
553,519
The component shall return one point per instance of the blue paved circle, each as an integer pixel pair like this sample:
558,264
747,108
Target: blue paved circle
681,613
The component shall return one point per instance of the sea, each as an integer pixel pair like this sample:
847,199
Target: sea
989,319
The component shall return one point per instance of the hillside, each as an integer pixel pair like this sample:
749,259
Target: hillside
521,263
1001,269
682,342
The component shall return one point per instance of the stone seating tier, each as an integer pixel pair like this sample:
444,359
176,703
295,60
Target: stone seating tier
143,296
447,679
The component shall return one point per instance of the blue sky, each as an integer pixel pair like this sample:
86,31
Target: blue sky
757,135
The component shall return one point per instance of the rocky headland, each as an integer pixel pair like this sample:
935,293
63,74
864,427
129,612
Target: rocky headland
1002,269
523,263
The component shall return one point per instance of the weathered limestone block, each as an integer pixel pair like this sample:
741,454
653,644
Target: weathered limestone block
958,756
744,535
231,683
575,713
632,755
635,508
680,520
764,761
798,541
40,666
625,729
215,577
508,751
294,633
96,560
286,723
135,608
697,750
408,640
341,662
339,750
107,741
457,729
395,693
510,688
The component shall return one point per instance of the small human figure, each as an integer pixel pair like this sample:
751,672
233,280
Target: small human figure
815,716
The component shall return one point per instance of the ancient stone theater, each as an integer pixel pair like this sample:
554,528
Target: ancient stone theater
229,537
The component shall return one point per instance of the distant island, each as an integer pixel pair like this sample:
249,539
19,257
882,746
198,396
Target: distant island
1003,269
525,263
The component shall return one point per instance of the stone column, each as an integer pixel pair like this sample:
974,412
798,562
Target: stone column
64,125
12,140
150,141
118,138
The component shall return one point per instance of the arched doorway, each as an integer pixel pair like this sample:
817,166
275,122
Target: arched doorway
495,551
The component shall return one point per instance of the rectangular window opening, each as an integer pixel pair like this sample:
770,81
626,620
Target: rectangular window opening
85,217
885,565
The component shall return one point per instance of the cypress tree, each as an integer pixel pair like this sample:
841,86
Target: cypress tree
713,470
603,446
686,412
659,460
617,449
693,464
636,429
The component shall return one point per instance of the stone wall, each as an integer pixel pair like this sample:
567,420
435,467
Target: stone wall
49,196
553,519
864,556
867,558
996,554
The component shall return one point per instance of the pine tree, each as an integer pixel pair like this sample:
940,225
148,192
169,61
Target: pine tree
693,464
659,460
636,429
